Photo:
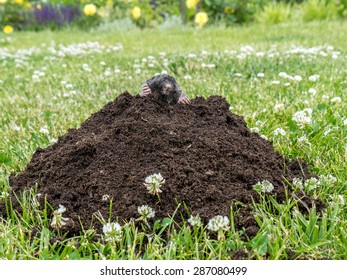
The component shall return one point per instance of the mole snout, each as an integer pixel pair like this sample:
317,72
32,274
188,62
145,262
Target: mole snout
164,88
167,88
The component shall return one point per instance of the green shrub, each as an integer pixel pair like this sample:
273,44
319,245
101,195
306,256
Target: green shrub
318,10
341,8
152,13
231,12
11,13
274,13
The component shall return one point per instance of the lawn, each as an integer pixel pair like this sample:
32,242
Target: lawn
288,81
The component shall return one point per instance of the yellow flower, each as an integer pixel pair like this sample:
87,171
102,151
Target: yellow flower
201,18
228,10
8,29
136,13
3,1
19,2
191,3
89,10
38,6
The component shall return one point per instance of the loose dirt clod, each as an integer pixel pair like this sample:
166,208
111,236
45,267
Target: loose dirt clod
207,155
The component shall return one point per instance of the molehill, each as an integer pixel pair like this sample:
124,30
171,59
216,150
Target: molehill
207,155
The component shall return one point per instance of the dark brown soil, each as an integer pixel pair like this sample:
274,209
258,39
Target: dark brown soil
207,155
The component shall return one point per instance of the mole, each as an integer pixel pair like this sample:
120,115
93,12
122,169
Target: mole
164,88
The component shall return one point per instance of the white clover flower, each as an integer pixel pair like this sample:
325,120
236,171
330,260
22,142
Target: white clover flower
154,183
195,221
325,96
303,117
312,91
261,75
313,78
279,131
314,183
38,74
298,78
247,49
283,74
61,209
165,62
69,86
345,122
108,72
58,220
265,186
204,53
218,223
275,82
4,195
102,63
336,99
311,183
303,140
146,212
286,84
86,68
112,232
322,53
187,77
238,74
327,179
327,131
255,129
298,183
340,199
35,78
44,130
264,137
278,107
15,127
335,55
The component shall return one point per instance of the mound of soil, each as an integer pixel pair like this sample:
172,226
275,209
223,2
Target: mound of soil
207,155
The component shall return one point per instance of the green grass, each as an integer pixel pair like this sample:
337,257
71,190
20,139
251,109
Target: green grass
30,108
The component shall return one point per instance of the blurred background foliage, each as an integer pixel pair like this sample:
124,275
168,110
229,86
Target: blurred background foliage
87,14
